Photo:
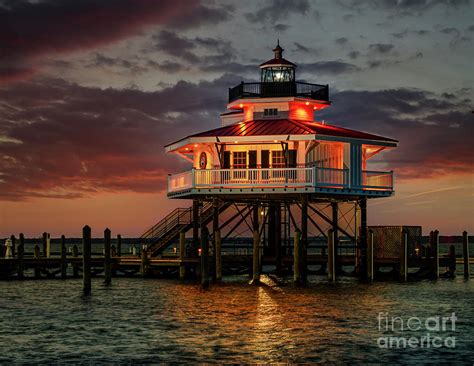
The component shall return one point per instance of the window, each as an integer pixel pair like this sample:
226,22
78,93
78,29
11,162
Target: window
240,160
270,112
278,159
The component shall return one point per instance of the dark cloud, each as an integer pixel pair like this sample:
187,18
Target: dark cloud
329,67
353,54
342,41
403,34
471,28
381,47
59,139
174,45
372,64
402,7
301,48
32,30
281,27
434,131
276,10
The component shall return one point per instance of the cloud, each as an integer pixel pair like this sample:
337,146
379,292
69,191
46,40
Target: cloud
276,10
301,48
31,31
64,140
420,120
329,67
353,54
381,48
281,27
342,41
406,32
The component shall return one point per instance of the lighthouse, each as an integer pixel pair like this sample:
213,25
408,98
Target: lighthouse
271,154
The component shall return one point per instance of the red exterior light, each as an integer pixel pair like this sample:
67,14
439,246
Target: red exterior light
307,103
241,105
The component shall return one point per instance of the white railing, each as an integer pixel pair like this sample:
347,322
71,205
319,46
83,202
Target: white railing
330,177
180,181
277,177
377,180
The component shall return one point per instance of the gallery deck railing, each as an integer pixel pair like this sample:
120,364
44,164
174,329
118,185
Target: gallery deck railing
277,178
279,89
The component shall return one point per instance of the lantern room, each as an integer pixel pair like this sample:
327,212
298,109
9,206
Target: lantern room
277,70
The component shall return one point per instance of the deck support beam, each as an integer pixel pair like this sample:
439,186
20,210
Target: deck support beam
363,238
278,238
195,243
304,238
256,246
335,223
204,257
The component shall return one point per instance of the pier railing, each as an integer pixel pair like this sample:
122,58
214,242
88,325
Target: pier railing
279,89
277,177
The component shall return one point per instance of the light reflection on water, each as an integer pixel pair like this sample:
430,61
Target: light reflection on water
149,321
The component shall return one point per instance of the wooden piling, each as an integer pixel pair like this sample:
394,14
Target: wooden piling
48,245
297,257
452,261
278,248
256,258
195,242
304,239
75,254
465,254
13,239
435,249
370,256
215,228
403,269
204,257
218,255
21,256
119,245
182,253
36,254
107,260
45,244
63,257
331,256
144,262
86,260
363,237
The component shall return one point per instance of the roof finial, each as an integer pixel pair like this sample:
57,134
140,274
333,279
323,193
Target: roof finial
278,50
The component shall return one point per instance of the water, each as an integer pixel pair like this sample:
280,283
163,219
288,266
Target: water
151,321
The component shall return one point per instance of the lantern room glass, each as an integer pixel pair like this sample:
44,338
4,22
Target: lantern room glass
277,74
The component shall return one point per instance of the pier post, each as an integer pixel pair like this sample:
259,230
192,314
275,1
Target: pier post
48,245
218,254
370,257
144,267
21,256
331,256
36,255
452,261
62,251
86,260
335,224
195,243
13,239
465,253
215,228
435,248
403,269
204,257
119,245
75,254
45,244
297,257
182,252
304,239
363,237
107,260
278,238
256,248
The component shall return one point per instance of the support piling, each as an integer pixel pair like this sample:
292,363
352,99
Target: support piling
331,257
204,257
62,251
21,255
86,260
107,260
182,252
297,257
465,254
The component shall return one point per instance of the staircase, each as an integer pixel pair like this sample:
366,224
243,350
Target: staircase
161,235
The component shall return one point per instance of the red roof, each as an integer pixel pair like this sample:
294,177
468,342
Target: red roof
287,127
278,61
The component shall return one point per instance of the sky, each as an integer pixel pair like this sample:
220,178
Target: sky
91,91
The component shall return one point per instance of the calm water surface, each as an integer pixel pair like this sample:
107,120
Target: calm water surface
152,321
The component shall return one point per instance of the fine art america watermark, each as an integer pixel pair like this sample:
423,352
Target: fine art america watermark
414,332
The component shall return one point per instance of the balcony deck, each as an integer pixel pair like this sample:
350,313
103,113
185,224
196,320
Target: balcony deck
326,181
279,89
